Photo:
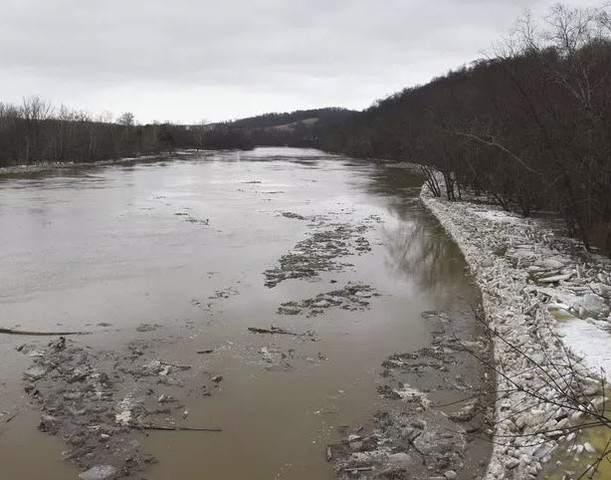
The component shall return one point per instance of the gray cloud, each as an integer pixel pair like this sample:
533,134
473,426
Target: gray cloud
191,59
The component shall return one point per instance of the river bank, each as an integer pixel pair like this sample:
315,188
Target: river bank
47,166
546,304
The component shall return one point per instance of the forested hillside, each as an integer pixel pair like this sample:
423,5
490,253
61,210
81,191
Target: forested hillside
530,127
301,128
279,119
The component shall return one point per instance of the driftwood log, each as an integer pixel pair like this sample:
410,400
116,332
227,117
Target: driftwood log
174,429
9,331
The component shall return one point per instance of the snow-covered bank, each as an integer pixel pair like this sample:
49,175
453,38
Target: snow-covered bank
539,296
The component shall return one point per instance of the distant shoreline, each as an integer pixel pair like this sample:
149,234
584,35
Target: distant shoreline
41,167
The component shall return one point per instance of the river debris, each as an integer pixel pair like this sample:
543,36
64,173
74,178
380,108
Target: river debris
218,296
206,351
281,331
433,314
320,252
276,358
32,333
162,428
224,293
295,216
191,219
200,221
352,297
9,418
415,436
97,401
148,327
99,472
401,446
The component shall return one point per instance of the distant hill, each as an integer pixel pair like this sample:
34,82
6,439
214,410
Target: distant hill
308,117
300,128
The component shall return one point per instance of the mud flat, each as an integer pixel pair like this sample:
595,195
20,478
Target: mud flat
539,291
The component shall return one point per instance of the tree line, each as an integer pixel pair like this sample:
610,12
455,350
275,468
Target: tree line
35,132
530,126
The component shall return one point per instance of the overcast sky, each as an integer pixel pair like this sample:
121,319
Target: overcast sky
188,60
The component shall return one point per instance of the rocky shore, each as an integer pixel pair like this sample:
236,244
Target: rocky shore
539,290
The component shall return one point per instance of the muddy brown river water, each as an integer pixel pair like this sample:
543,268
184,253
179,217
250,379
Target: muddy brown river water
180,257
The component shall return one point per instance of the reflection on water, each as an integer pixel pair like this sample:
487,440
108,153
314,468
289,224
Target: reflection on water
127,244
419,250
418,247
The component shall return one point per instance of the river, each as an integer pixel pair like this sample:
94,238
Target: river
171,254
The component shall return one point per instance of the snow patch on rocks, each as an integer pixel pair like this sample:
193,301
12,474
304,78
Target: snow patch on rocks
587,340
499,216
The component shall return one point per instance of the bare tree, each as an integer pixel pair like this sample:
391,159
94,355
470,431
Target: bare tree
34,111
126,119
